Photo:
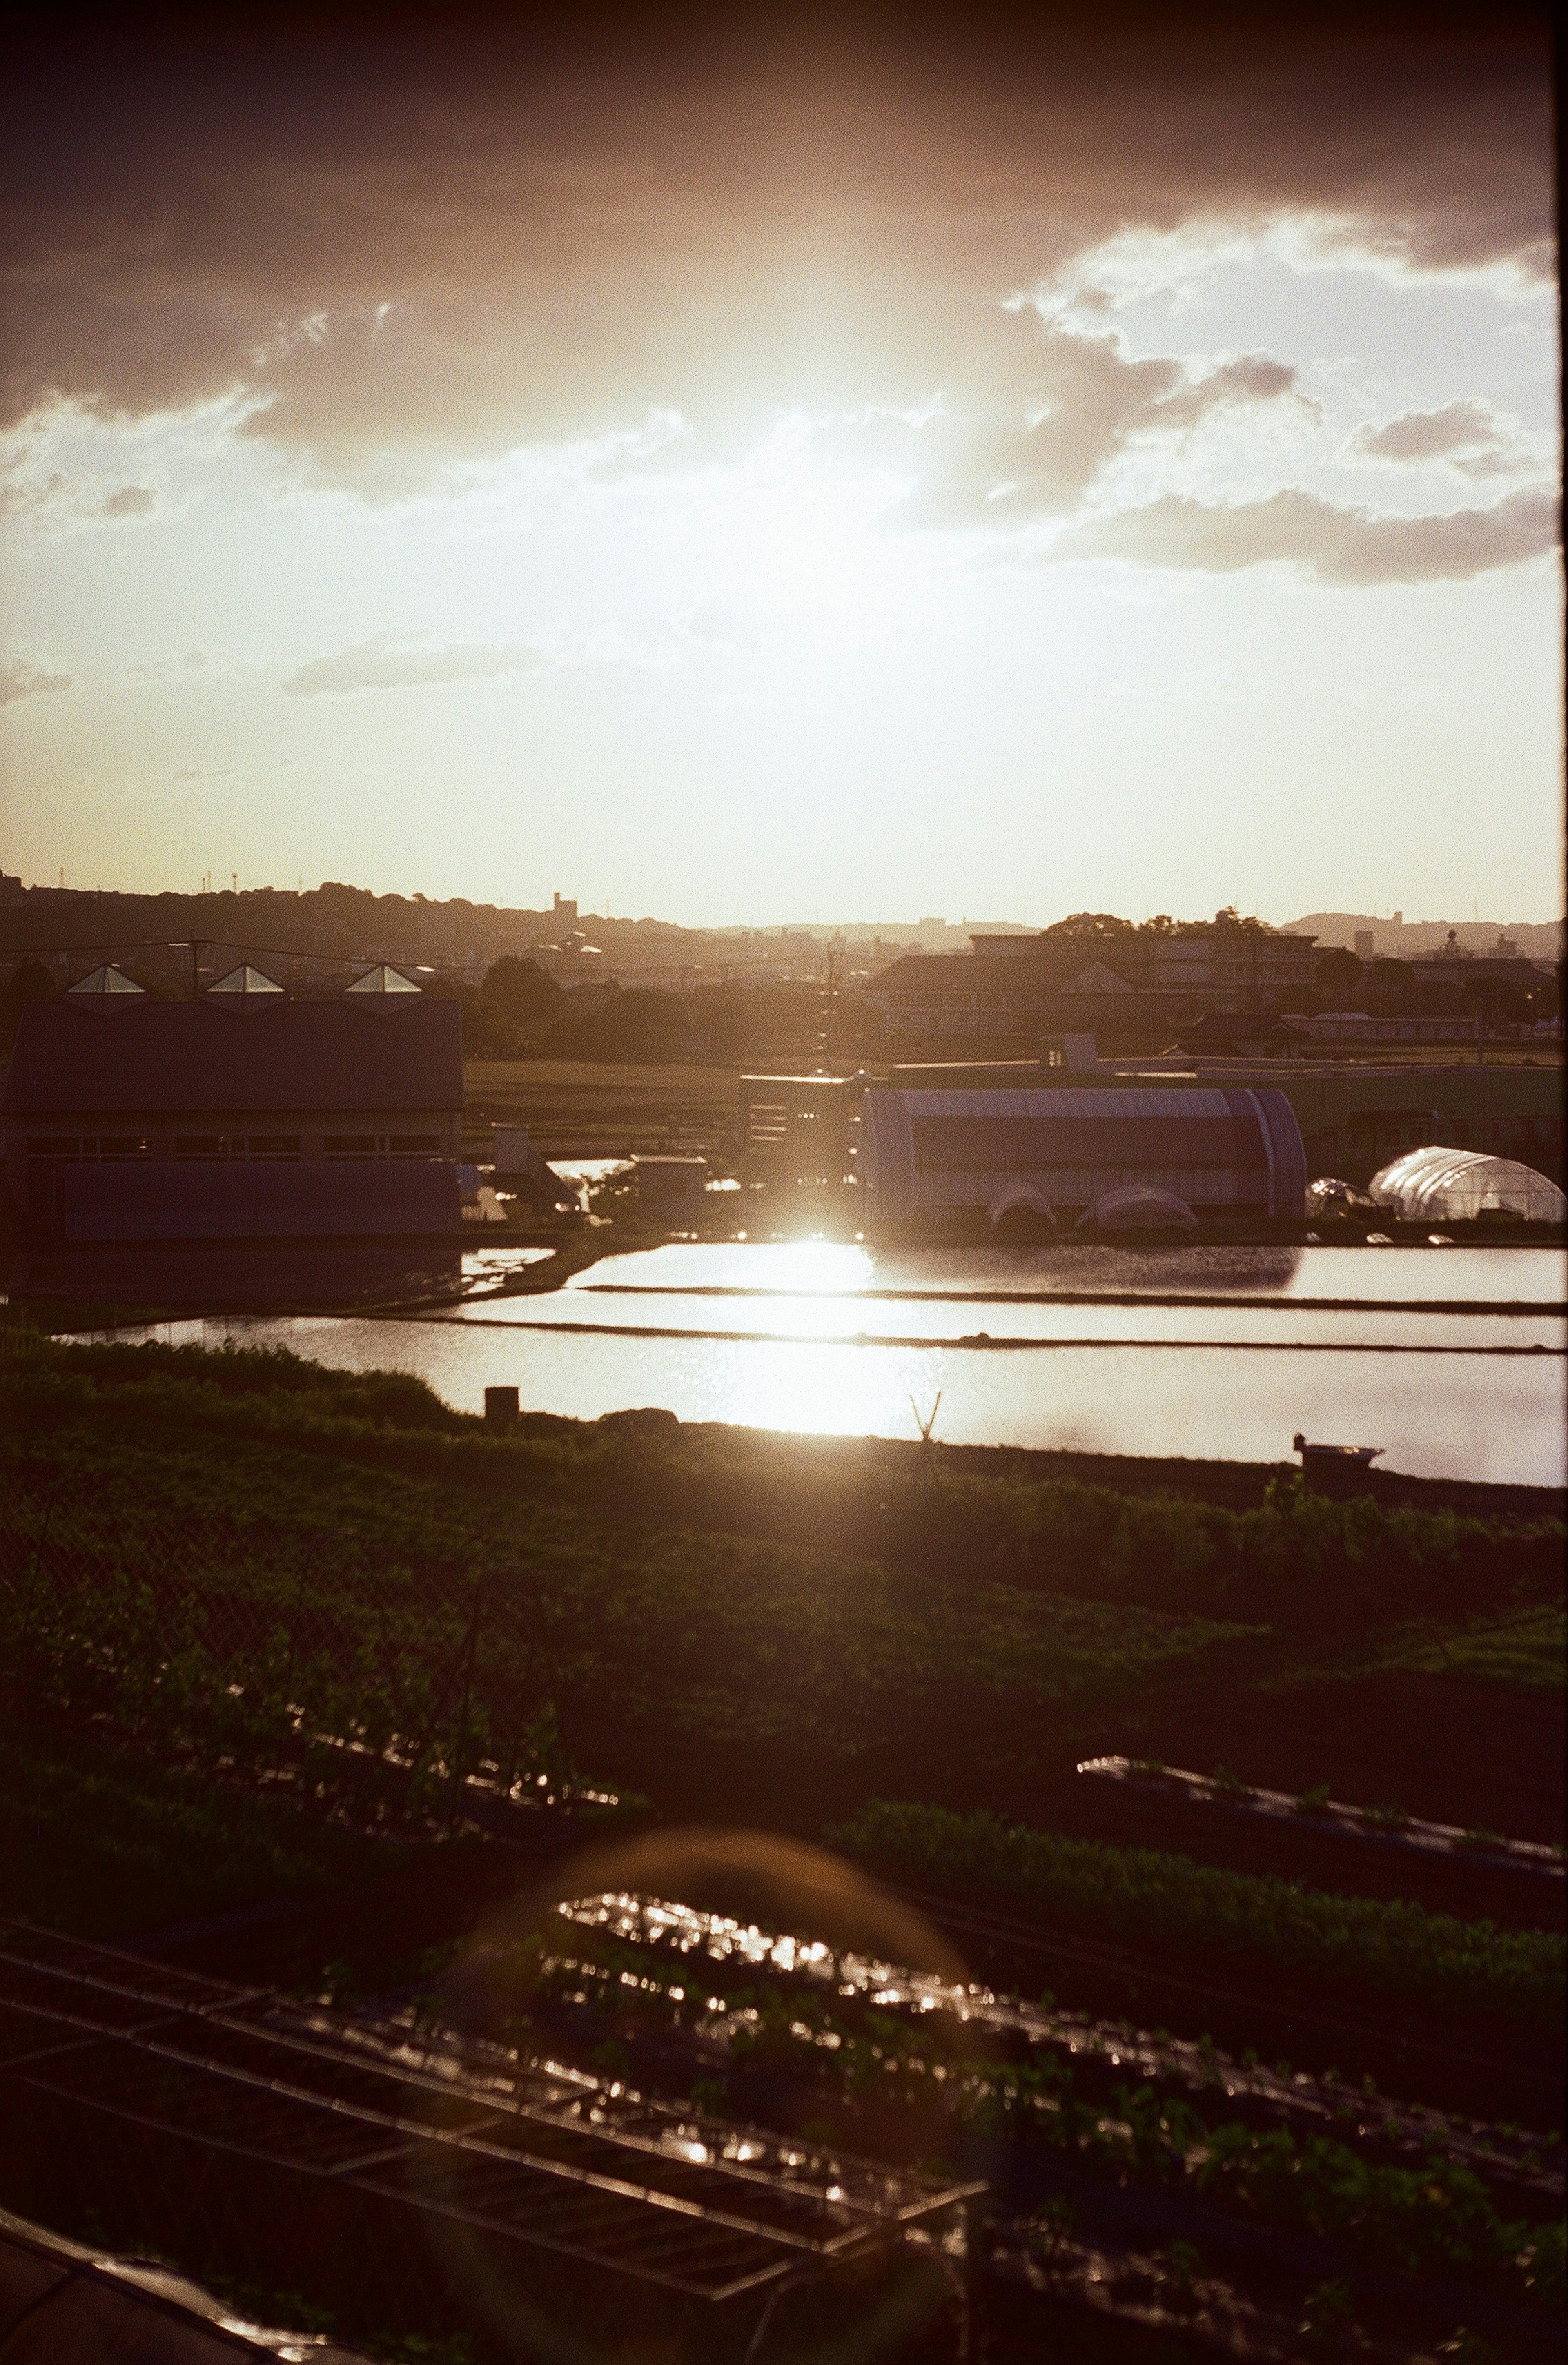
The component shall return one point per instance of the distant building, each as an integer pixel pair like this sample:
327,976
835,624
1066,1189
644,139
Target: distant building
1013,986
671,1192
142,1134
931,993
799,1133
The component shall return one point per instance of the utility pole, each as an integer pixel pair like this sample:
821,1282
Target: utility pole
195,945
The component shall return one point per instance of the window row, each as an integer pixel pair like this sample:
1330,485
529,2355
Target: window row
87,1150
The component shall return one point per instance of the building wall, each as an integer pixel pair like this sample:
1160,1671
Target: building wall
1355,1119
1010,986
956,1153
37,1149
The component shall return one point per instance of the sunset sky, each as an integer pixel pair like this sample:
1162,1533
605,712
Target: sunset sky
1107,464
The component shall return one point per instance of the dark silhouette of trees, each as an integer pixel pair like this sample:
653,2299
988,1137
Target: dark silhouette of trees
28,982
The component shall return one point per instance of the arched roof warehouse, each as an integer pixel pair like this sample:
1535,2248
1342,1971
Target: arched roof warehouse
947,1154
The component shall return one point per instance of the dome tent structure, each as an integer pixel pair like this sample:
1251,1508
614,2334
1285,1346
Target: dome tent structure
1451,1186
1022,1216
1139,1209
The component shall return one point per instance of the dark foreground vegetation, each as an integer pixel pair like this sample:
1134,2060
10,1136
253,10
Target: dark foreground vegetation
1352,1945
905,2078
274,1639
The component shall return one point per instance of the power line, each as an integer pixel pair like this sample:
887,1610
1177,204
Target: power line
183,944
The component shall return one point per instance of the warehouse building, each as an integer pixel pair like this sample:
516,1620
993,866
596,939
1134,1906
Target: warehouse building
241,1147
957,1161
1127,981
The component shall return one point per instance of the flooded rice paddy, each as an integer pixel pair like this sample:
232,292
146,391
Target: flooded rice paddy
1451,1358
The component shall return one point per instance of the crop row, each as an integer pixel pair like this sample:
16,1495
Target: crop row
893,2080
1248,1922
378,1692
715,1954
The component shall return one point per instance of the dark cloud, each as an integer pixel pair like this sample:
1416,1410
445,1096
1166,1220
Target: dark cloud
1337,545
1029,435
448,243
1466,426
131,500
19,680
387,664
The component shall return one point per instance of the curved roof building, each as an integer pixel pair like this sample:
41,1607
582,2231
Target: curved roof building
949,1157
1449,1186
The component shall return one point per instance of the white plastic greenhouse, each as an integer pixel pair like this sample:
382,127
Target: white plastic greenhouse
1437,1185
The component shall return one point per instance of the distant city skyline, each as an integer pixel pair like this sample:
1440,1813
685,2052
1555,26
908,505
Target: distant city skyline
1113,466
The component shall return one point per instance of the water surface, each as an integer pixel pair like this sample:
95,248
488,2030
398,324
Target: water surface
1473,1395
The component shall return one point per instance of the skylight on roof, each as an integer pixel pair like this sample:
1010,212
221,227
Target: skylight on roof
246,983
106,979
382,979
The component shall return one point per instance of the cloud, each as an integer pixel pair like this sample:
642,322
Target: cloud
1336,545
1465,426
19,680
388,664
453,243
1031,423
1467,434
20,494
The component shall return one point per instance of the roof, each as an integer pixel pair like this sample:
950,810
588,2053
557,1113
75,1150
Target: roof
184,1057
929,969
382,979
81,2302
246,983
106,979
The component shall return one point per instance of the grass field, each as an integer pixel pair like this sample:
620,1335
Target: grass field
1530,1648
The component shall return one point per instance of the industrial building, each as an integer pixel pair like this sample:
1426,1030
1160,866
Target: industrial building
1355,1117
240,1148
806,1138
1010,986
955,1160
